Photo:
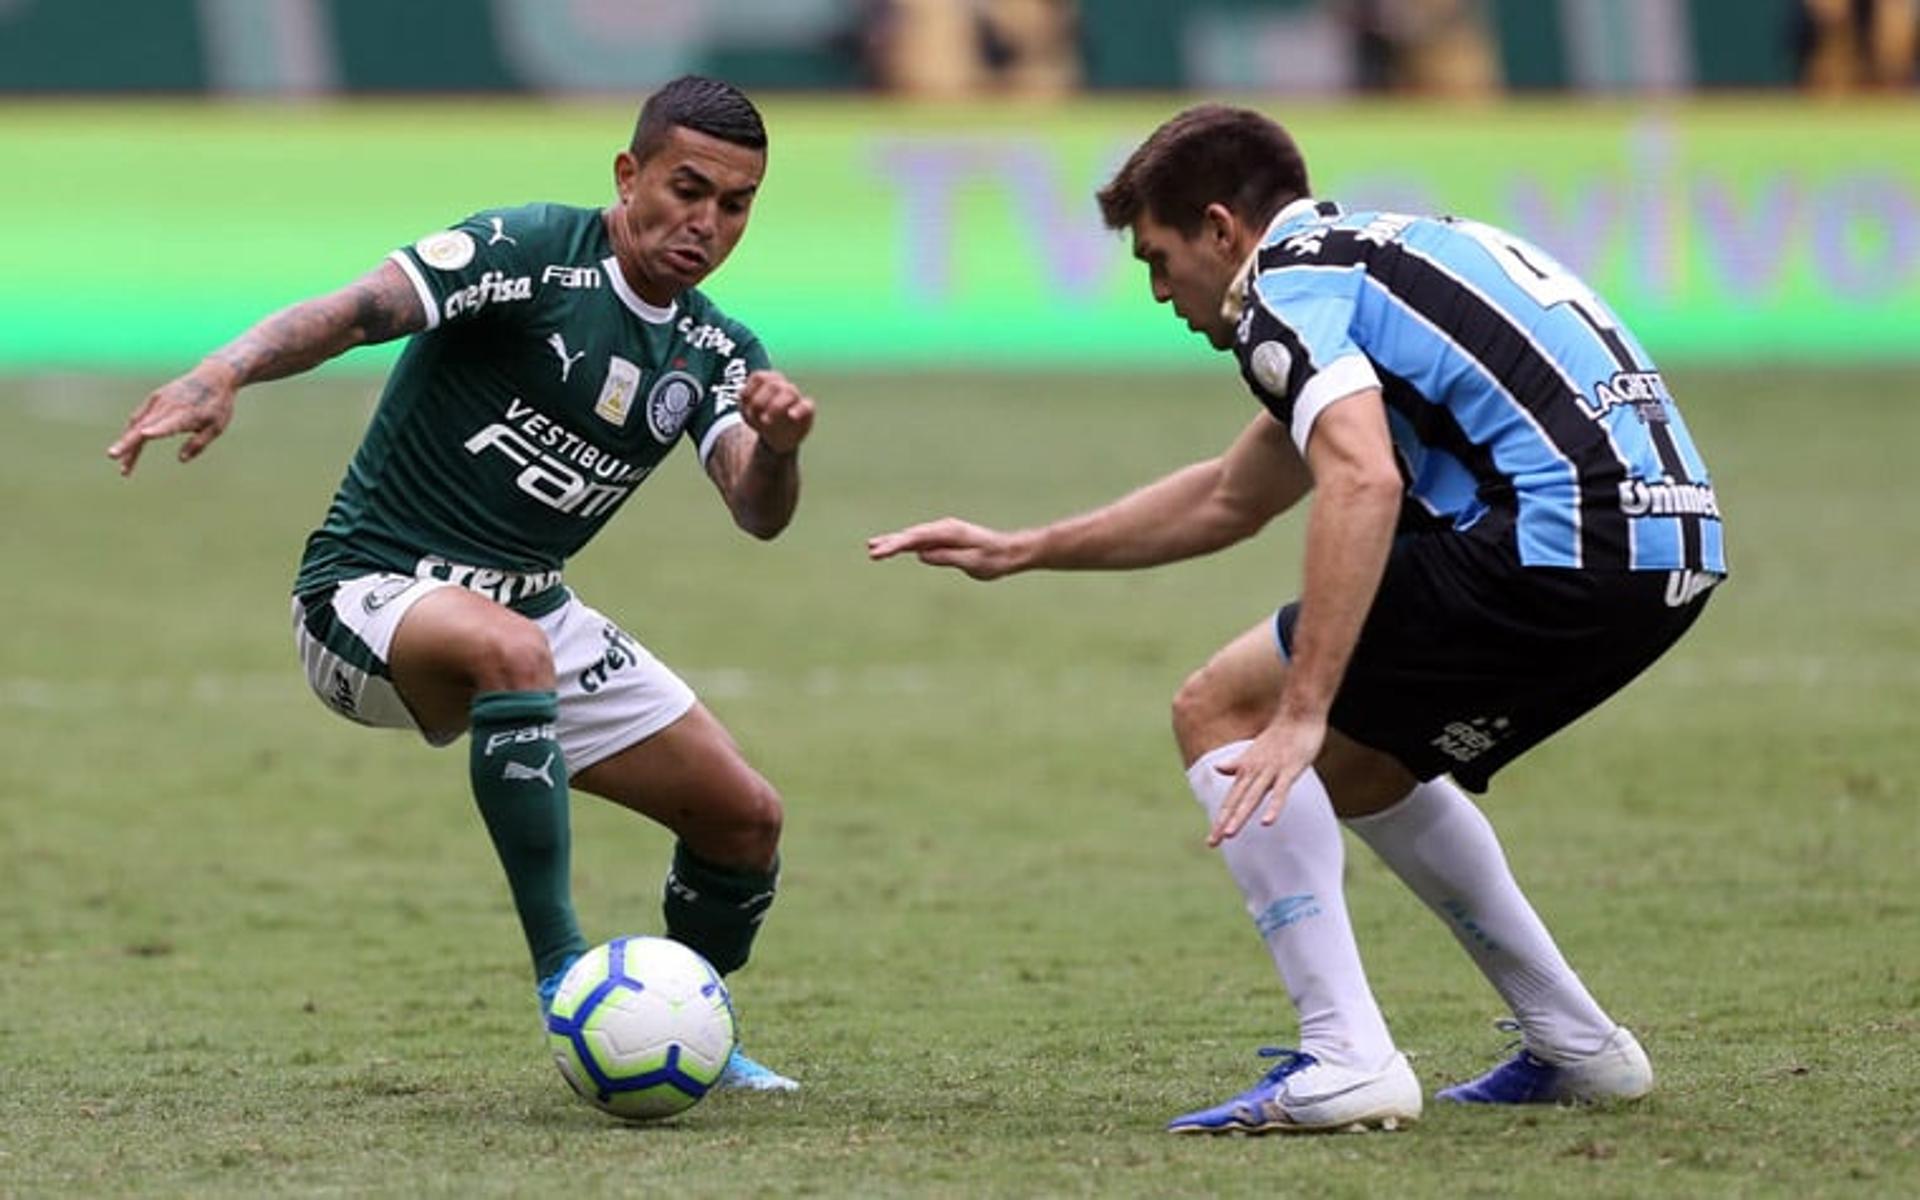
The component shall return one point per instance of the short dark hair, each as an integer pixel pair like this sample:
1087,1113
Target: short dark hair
1209,154
710,106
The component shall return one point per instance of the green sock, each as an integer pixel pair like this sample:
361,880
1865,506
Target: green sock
716,910
520,783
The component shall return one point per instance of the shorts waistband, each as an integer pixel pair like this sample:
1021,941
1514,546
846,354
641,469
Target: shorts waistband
531,595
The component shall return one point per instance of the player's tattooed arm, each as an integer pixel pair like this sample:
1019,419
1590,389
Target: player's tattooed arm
756,465
378,307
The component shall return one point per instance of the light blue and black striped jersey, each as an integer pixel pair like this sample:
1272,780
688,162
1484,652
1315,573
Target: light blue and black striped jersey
1519,405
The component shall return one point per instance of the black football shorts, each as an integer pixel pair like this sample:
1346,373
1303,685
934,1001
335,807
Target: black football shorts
1468,659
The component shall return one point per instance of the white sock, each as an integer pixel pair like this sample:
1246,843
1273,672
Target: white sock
1290,873
1442,846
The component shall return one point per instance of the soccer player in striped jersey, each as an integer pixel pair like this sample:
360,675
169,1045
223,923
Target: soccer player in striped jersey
558,354
1509,523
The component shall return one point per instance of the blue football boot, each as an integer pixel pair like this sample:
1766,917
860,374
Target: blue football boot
746,1075
546,988
1619,1070
1304,1095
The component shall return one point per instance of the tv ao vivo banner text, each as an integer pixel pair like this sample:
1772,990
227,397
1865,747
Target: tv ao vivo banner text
888,236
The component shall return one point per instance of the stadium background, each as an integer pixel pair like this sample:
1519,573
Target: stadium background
251,950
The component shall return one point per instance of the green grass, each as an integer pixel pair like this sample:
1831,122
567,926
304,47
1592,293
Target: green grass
251,949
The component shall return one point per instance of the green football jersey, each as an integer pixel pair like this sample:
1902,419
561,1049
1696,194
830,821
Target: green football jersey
543,391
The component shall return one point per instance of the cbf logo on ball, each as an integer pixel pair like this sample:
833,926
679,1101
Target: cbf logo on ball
670,403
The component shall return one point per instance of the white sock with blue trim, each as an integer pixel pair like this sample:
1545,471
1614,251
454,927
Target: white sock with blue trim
1444,848
1291,875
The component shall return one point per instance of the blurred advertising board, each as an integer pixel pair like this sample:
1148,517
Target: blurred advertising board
1723,231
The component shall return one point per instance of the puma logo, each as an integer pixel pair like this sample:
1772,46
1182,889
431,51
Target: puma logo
559,345
500,233
518,771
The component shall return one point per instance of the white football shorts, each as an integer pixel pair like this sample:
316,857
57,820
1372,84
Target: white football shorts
613,691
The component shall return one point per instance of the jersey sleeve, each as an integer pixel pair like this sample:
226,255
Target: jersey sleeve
719,407
1295,342
474,269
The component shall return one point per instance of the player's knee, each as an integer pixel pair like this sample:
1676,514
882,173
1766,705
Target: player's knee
747,833
1208,713
1197,710
762,822
513,655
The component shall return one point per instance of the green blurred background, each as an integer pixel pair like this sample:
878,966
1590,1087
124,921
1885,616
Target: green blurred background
137,237
280,147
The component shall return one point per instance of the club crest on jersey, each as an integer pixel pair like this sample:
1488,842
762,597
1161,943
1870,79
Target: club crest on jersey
448,250
670,403
1271,364
616,394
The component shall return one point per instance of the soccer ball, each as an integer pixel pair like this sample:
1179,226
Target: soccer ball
641,1027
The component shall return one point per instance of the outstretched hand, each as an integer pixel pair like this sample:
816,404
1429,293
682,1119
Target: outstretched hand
950,542
198,404
1266,769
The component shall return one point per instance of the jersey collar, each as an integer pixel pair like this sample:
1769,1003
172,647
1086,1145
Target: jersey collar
1235,300
653,314
1303,207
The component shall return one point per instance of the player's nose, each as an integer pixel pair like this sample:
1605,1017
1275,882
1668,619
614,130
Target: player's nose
703,222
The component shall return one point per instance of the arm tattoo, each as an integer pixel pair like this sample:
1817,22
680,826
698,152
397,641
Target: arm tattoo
729,458
195,392
377,307
761,488
384,312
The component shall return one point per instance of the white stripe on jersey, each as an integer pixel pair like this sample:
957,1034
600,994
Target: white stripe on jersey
420,286
721,424
1343,377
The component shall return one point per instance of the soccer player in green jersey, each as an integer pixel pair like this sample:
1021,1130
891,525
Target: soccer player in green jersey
557,355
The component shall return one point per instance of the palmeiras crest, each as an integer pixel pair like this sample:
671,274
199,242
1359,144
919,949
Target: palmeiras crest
670,403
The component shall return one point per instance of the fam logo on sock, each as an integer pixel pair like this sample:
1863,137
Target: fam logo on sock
680,891
518,737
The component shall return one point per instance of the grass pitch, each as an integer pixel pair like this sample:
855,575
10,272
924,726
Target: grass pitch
254,950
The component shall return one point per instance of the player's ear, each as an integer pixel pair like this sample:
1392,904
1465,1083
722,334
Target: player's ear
626,170
1221,227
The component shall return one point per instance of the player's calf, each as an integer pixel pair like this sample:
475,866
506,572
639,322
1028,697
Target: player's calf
519,780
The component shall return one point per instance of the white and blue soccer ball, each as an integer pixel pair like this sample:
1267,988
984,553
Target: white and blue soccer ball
641,1027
